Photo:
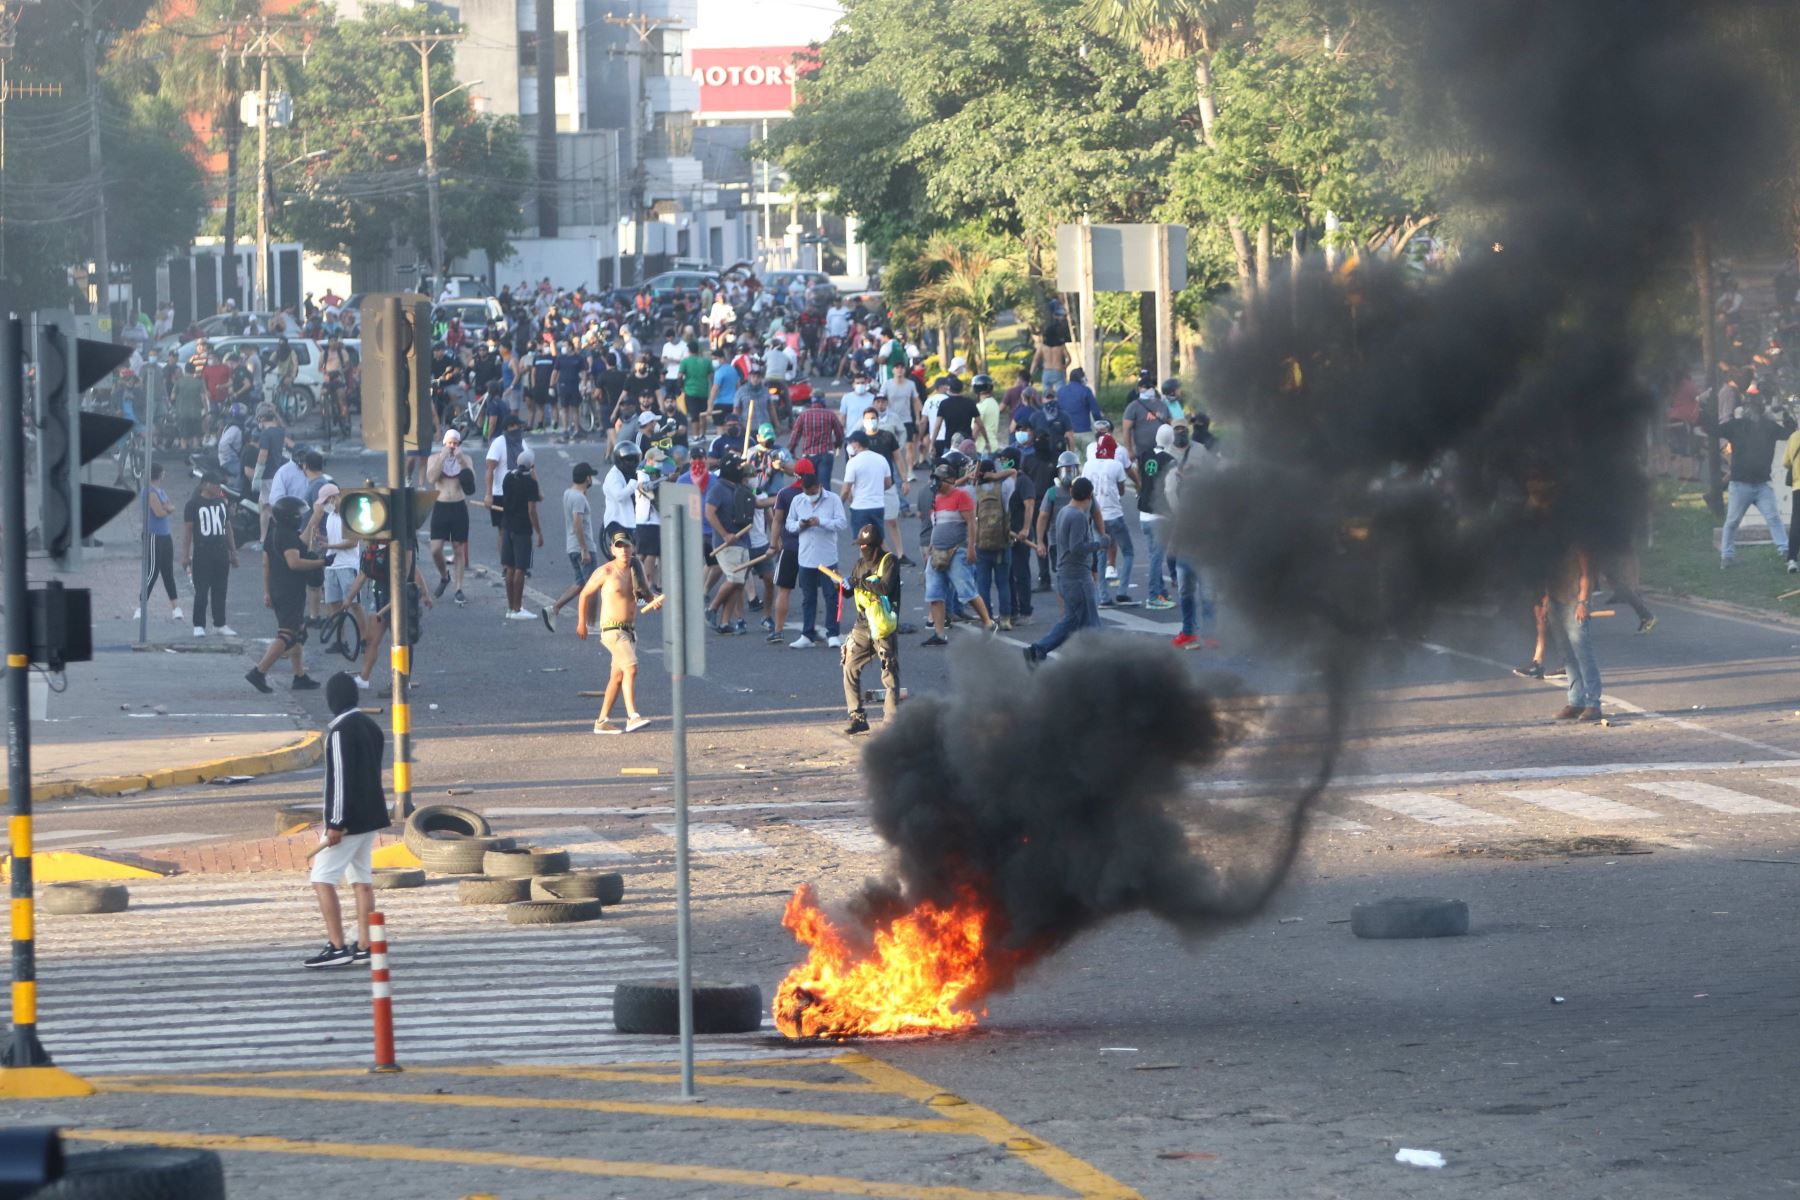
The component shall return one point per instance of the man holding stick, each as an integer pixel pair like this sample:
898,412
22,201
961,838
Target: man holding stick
355,812
617,587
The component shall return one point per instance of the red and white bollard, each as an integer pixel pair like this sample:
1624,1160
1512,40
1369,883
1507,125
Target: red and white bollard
384,997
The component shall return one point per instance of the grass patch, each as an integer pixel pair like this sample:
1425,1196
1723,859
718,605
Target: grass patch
1683,558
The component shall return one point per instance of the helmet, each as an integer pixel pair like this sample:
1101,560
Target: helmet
1146,378
957,461
626,450
289,511
1068,458
1171,386
869,535
982,383
236,412
1102,425
945,472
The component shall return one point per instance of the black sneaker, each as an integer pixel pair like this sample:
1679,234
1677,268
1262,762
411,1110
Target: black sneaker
1646,624
443,585
858,724
754,606
1531,670
259,681
1124,600
1031,656
548,622
935,640
331,956
306,683
1557,673
459,598
359,952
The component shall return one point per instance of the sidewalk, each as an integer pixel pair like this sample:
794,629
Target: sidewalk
172,712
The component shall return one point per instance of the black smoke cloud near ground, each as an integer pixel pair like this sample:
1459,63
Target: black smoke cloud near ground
1381,430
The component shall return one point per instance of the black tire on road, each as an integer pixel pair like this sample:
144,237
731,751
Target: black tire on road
550,912
524,863
1410,917
456,856
450,819
492,891
397,877
718,1008
143,1173
83,899
607,887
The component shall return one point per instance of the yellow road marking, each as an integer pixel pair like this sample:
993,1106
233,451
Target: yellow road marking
836,1185
586,1074
1089,1181
781,1116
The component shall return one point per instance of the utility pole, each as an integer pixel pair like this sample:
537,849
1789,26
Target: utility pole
423,44
9,27
548,194
640,129
264,41
90,57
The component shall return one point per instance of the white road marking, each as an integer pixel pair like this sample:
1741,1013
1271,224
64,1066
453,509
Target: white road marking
658,810
68,835
1502,774
1580,804
1259,808
1719,799
708,837
1433,810
152,839
854,836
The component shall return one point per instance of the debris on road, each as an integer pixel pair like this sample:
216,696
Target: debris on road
1410,917
1556,999
1188,1155
1420,1158
229,780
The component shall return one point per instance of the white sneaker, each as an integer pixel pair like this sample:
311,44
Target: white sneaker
802,643
521,615
361,683
834,642
1112,574
175,614
199,631
227,631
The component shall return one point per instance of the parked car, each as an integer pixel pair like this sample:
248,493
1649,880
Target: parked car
306,353
669,285
480,316
217,326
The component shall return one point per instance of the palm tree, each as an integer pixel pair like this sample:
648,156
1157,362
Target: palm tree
965,283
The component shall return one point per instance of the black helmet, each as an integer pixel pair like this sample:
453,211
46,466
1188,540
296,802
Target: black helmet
1146,378
869,535
626,450
289,512
1171,386
957,461
982,383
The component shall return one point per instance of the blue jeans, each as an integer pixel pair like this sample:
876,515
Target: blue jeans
1158,584
1120,533
1021,580
866,516
1079,612
1578,648
1740,497
1198,613
822,465
811,582
994,567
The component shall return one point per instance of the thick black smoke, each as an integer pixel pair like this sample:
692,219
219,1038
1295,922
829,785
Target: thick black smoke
1382,431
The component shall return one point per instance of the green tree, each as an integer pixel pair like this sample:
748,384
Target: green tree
964,283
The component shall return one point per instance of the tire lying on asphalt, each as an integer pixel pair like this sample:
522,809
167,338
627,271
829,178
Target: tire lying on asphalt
524,863
718,1008
1410,917
398,877
83,899
457,856
608,887
492,891
550,912
291,818
143,1173
450,819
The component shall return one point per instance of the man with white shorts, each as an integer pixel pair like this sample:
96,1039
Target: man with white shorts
355,812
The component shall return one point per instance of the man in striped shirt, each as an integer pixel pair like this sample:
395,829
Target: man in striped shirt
816,436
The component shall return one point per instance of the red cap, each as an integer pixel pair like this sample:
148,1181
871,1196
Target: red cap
804,467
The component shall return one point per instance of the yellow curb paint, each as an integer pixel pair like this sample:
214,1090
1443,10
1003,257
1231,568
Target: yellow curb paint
20,830
638,770
832,1185
304,752
24,1002
396,855
22,923
1087,1181
41,1083
72,866
779,1116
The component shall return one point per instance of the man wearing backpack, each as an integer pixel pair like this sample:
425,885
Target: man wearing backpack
874,584
993,540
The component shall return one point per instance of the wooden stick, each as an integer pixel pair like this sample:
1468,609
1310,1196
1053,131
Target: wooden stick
1789,595
1603,612
315,850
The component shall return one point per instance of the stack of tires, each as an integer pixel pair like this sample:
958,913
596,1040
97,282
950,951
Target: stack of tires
535,884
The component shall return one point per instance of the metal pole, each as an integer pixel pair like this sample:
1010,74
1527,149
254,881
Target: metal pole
152,384
90,49
395,317
677,584
1165,307
431,174
1090,353
262,180
24,1050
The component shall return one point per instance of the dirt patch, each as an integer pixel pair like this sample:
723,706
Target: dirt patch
1592,846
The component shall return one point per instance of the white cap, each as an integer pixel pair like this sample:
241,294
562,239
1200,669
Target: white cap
958,364
526,458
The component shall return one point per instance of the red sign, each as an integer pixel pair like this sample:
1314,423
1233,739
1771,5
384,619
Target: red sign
754,82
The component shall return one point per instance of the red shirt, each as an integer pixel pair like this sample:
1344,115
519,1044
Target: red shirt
817,430
216,376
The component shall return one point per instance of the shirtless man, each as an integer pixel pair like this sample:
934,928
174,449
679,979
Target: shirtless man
446,471
616,586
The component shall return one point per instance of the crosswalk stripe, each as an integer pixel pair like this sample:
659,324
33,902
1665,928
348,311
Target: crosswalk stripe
853,836
418,995
708,837
1579,804
1433,810
1259,808
1719,799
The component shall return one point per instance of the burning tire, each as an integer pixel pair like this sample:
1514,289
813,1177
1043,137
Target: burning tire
84,899
550,912
492,891
449,819
457,856
146,1173
524,863
397,877
607,887
1410,917
718,1008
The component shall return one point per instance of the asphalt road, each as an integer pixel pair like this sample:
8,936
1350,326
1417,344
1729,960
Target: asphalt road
1619,1022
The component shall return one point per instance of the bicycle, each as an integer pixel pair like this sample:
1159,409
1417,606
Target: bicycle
342,633
294,401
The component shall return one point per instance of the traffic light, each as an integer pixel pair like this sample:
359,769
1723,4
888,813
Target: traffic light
372,513
69,511
396,370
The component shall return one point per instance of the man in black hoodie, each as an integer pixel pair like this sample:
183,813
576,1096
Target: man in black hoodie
355,811
1754,437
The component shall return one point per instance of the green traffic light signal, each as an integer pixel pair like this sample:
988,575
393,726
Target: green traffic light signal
365,513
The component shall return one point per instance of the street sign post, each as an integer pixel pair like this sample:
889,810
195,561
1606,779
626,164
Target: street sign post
684,648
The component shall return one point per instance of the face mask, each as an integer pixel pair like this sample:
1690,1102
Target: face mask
862,389
1022,436
1181,437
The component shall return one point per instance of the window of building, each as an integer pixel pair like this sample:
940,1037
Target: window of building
528,52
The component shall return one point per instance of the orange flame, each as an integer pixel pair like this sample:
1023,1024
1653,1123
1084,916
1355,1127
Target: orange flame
923,971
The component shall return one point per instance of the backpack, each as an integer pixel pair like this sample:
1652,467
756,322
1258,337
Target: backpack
876,610
990,517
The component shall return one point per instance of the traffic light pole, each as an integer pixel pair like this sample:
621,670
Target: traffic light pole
27,1072
399,561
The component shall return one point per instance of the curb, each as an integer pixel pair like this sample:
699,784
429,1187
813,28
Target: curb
263,854
1726,608
302,753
